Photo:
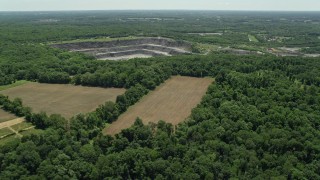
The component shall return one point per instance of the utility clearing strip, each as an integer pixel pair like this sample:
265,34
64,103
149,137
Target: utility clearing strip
11,123
172,102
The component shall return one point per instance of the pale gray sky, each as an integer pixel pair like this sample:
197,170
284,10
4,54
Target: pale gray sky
42,5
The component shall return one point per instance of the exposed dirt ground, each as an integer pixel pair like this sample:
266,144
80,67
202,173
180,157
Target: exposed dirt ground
127,57
5,116
207,34
11,123
172,102
67,100
125,49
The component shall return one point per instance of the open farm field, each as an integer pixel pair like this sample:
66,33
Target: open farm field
67,100
171,102
5,116
17,83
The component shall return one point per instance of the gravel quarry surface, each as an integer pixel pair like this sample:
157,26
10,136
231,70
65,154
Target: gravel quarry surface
128,49
207,34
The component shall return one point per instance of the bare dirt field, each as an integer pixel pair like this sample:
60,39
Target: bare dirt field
128,48
67,100
5,116
171,102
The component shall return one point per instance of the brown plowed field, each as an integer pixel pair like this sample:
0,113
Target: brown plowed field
67,100
171,102
5,116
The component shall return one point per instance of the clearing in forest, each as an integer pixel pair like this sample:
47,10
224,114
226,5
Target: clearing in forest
7,132
252,38
15,129
11,122
172,102
67,100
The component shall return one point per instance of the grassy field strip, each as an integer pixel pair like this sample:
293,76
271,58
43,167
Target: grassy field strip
31,131
5,132
252,38
16,132
7,139
206,48
172,102
17,128
10,135
8,131
28,128
21,126
17,83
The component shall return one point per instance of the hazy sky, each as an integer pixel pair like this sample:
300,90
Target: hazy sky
31,5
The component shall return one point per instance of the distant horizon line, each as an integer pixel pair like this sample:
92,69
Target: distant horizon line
160,10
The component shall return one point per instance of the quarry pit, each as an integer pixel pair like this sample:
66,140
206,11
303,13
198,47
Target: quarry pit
128,49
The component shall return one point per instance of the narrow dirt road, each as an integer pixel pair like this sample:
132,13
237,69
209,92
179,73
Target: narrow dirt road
17,133
11,123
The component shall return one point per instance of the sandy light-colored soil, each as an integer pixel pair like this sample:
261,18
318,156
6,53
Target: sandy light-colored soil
5,116
127,49
207,34
11,123
67,100
172,102
127,57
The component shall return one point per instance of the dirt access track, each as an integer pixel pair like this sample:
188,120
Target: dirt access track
127,49
172,102
11,122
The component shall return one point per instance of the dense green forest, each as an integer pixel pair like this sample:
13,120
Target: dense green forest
260,119
271,29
